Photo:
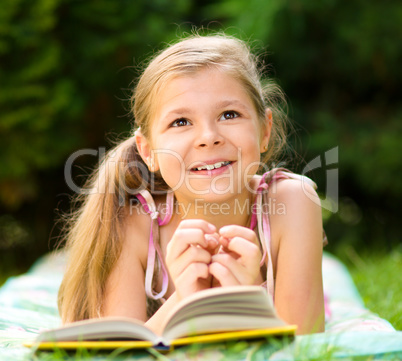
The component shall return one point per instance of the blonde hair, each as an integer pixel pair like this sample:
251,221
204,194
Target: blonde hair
232,56
94,232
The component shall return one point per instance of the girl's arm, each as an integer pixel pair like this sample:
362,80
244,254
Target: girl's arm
297,238
125,288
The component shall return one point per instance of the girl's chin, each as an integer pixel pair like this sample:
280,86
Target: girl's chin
216,187
219,194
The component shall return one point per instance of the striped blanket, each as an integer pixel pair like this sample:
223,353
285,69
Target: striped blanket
28,305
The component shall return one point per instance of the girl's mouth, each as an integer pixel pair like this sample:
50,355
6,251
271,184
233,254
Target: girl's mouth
208,168
211,166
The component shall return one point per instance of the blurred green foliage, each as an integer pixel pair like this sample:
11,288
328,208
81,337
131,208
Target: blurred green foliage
67,66
65,70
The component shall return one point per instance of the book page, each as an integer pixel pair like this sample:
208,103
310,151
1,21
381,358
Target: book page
100,329
222,309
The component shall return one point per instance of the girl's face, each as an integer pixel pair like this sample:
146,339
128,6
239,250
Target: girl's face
206,138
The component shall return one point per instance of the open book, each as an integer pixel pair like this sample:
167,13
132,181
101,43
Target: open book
213,315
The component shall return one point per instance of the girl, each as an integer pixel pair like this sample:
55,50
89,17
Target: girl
178,207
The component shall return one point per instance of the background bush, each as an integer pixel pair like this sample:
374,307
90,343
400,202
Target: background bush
67,66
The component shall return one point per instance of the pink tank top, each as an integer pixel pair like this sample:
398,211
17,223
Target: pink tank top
259,219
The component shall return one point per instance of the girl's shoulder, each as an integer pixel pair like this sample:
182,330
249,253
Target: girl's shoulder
293,189
136,226
283,184
299,205
135,213
290,197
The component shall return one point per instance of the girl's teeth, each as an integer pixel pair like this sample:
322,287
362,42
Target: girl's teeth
212,166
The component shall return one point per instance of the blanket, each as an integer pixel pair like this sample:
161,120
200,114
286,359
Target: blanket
28,304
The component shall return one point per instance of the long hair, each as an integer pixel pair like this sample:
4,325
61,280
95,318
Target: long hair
94,231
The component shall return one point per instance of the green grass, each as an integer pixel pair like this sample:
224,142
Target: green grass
378,278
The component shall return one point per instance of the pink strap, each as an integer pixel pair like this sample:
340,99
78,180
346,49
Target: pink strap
264,232
146,199
154,250
258,217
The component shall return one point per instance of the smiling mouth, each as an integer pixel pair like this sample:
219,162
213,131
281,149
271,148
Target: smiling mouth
211,166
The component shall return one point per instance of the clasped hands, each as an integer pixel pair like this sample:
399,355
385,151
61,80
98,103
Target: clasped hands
199,257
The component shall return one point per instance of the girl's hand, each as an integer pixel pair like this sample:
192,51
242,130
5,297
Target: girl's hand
188,255
238,261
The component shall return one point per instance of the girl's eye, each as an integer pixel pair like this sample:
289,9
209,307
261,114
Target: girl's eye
229,115
180,122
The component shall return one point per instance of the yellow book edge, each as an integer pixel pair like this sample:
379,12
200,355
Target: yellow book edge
288,330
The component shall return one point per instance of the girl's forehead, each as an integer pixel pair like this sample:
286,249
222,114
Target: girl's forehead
210,83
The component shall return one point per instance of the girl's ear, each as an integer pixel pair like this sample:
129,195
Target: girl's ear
266,131
145,150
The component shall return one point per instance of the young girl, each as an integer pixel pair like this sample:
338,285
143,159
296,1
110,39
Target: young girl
178,207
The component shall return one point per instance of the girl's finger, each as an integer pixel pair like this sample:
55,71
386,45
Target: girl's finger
192,231
199,224
182,239
194,278
249,254
243,275
212,242
223,274
194,272
231,231
224,247
193,254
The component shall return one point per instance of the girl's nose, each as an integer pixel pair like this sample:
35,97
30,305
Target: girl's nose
209,136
